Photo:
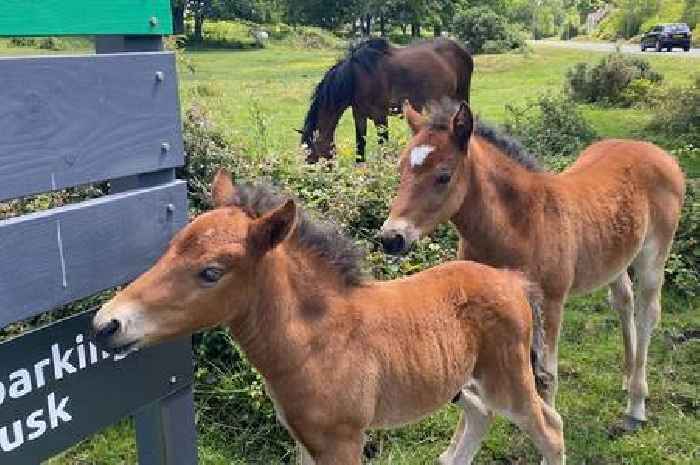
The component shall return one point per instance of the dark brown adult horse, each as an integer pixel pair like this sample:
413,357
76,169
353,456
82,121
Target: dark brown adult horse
375,78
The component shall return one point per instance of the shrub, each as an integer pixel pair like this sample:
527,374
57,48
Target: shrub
551,127
683,265
607,81
637,92
483,30
677,113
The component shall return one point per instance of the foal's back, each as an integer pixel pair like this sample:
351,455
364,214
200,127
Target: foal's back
620,196
428,334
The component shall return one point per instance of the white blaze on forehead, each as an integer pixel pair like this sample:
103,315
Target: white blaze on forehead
419,154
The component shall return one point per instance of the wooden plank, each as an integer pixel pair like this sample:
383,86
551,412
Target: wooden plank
165,431
85,17
54,257
79,391
74,120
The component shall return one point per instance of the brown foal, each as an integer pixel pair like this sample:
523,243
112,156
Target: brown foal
339,353
617,207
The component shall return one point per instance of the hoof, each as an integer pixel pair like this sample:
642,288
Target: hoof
626,426
631,424
371,450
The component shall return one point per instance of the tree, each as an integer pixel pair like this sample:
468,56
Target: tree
178,9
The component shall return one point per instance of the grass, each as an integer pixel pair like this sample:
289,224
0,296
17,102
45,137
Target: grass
266,91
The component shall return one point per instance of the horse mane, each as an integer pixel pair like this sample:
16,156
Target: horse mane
337,88
322,238
440,113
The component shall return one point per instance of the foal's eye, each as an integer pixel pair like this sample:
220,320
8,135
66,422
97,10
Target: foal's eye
211,275
443,178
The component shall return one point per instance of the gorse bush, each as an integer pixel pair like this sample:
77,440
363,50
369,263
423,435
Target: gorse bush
485,31
608,82
550,127
677,113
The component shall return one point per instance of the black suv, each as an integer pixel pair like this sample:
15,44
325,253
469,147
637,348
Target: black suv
667,36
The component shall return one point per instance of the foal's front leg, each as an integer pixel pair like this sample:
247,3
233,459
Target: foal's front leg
552,309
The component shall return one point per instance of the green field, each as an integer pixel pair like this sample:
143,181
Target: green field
258,97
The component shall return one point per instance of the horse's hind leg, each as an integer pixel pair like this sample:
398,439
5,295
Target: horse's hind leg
622,300
513,394
472,428
649,274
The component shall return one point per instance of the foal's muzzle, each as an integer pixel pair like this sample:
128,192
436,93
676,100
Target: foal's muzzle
104,333
393,243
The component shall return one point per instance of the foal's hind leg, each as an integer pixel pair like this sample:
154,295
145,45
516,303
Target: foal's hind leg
512,393
471,430
649,273
622,300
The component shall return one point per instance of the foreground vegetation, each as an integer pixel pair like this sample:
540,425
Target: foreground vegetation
254,100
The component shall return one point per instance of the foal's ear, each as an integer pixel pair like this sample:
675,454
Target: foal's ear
267,232
413,118
222,190
461,125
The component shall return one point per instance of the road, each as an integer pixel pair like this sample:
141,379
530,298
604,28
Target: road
610,47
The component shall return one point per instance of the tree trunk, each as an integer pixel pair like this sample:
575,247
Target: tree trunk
437,30
415,29
382,26
199,26
178,19
403,28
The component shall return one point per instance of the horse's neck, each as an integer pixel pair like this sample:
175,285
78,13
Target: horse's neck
501,194
290,303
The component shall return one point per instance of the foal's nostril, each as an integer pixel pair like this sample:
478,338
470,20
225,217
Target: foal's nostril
393,244
108,330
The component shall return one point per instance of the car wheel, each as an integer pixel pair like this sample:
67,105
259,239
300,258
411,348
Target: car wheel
658,46
669,49
686,49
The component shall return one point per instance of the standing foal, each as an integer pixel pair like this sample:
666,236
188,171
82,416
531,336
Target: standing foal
616,207
340,354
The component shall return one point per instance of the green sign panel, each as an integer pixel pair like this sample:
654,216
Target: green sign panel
85,17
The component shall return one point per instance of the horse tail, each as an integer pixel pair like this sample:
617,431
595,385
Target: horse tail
543,378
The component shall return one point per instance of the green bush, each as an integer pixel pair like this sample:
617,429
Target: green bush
485,31
550,127
683,265
677,113
606,82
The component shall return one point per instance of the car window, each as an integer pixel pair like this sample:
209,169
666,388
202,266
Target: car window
677,28
657,29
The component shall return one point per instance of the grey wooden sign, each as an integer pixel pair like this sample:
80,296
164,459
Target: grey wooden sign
71,120
57,387
56,256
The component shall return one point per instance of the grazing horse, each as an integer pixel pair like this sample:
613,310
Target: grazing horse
375,78
617,207
339,353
